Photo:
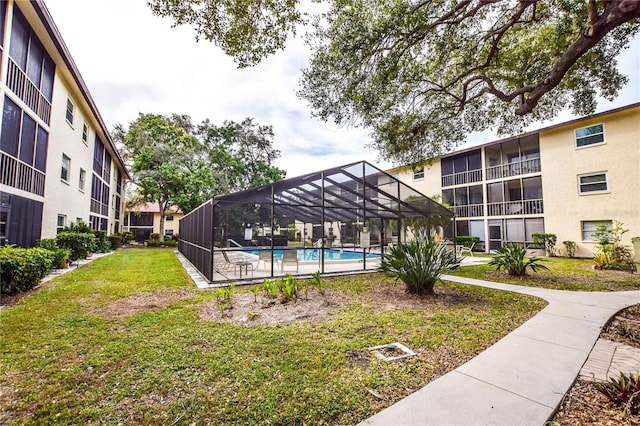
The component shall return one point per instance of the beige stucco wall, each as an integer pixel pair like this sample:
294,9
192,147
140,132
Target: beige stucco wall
174,224
562,162
429,185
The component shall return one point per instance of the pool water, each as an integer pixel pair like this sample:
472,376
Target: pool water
309,254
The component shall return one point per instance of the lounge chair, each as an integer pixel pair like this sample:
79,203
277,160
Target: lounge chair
464,249
291,257
238,262
265,257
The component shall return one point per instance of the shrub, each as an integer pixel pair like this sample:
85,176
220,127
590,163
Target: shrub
612,254
126,237
419,263
22,269
623,392
60,255
80,227
546,242
102,242
153,243
468,241
155,236
170,243
79,243
512,258
116,241
570,247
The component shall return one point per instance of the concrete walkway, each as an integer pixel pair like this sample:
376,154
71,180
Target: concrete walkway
522,378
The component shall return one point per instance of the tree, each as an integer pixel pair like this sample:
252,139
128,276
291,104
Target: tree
423,74
163,155
175,163
241,152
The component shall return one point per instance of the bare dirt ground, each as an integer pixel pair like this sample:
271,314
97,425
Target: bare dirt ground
583,404
128,306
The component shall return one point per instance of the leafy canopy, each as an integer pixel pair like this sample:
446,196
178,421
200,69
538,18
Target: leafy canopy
423,74
174,162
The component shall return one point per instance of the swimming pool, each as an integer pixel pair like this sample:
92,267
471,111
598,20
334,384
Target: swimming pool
310,254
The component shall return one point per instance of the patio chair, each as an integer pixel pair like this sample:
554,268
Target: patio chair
291,257
238,262
464,249
265,257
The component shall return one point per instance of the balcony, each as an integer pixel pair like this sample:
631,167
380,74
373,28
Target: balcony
471,210
16,174
462,178
520,207
28,92
513,169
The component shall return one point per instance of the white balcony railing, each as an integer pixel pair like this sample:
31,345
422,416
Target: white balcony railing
471,210
20,175
22,86
462,178
520,207
513,169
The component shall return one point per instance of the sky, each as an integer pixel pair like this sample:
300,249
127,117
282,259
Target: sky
134,62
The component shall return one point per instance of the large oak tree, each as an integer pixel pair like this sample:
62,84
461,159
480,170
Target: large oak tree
421,74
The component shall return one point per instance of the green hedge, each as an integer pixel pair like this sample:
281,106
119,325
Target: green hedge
60,255
79,243
103,244
21,269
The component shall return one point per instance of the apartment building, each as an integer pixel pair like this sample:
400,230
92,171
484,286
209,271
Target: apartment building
565,179
58,163
145,219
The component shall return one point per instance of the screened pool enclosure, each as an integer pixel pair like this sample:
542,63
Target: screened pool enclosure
334,221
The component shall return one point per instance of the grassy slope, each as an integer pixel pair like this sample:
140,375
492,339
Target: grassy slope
63,363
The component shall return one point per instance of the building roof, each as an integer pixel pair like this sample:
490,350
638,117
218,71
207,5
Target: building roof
56,38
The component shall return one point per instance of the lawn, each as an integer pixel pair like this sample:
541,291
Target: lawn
563,274
128,339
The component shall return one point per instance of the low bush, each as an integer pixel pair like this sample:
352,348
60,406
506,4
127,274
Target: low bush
127,237
60,255
512,259
115,240
546,242
102,242
570,247
419,263
155,236
613,254
623,392
154,243
79,243
21,269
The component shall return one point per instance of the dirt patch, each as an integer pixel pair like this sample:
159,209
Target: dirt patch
248,311
396,297
147,302
584,404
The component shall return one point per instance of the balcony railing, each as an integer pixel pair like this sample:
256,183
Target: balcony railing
22,86
16,174
462,177
471,210
513,169
520,207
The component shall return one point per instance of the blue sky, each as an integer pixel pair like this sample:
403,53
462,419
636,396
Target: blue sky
135,62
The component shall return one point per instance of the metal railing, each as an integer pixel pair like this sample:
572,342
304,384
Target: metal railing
513,169
22,86
471,210
520,207
462,177
20,175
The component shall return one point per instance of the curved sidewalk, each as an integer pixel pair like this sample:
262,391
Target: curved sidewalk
522,378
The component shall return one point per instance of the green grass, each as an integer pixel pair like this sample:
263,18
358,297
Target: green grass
63,362
563,274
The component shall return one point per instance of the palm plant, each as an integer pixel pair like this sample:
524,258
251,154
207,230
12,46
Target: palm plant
513,260
419,263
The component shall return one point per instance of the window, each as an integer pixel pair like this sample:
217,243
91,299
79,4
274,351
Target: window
169,218
593,183
418,173
64,171
70,108
85,134
590,135
62,219
589,228
168,233
82,179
